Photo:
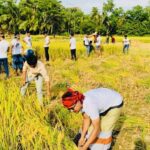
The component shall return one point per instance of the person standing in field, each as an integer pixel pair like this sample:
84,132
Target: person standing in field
86,42
107,39
28,40
112,39
46,46
126,44
33,69
16,52
4,47
73,47
101,109
98,44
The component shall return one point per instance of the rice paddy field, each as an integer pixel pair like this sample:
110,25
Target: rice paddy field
24,125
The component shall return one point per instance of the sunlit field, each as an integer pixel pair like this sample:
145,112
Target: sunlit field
25,125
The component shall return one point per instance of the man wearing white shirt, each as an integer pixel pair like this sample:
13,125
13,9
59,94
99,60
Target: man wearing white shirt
28,40
98,42
101,109
46,46
87,44
16,51
73,46
4,47
126,44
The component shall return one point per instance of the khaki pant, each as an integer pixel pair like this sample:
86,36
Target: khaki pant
107,125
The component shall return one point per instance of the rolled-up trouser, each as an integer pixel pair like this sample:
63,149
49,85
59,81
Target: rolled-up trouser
104,140
4,62
17,62
125,48
88,49
39,84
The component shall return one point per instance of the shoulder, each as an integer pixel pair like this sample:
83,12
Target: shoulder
39,63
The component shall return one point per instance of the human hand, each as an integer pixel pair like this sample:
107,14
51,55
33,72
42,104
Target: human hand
81,142
82,148
23,83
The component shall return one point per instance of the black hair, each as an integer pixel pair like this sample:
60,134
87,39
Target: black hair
27,31
67,94
125,35
32,60
72,34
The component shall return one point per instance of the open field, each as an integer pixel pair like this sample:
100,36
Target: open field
24,125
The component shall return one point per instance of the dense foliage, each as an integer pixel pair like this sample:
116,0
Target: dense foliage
51,15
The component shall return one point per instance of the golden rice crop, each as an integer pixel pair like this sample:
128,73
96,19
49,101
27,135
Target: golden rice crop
25,125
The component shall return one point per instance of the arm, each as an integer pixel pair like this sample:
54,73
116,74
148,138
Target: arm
94,133
85,126
24,76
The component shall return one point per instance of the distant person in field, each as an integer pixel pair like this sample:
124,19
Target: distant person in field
4,47
28,40
98,44
107,39
126,44
33,69
101,109
91,45
46,46
73,47
95,37
113,39
16,52
86,43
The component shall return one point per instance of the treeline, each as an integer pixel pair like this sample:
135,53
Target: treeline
50,15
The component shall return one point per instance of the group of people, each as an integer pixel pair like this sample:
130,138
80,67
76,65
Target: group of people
100,107
16,50
88,43
26,61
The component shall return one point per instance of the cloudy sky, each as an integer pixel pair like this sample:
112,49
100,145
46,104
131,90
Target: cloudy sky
86,5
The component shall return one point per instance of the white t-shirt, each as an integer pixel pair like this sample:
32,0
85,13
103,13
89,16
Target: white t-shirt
17,47
126,41
47,41
28,41
86,41
39,69
99,100
4,45
98,41
72,43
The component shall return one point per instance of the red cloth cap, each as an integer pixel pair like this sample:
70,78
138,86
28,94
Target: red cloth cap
71,97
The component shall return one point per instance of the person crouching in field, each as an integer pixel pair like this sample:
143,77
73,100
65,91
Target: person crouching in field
126,44
33,69
46,46
16,51
73,46
4,47
101,109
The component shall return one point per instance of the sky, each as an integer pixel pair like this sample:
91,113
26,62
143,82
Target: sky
86,5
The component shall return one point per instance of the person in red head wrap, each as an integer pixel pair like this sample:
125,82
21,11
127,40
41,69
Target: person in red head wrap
101,109
73,100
